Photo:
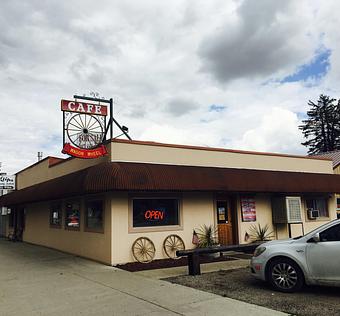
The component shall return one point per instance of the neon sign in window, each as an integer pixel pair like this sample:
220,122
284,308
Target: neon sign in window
155,212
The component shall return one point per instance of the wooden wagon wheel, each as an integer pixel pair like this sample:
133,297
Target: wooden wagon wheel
143,250
171,244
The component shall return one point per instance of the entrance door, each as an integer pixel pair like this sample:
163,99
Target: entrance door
224,222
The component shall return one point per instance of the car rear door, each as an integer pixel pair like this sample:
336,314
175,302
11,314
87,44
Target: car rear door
323,258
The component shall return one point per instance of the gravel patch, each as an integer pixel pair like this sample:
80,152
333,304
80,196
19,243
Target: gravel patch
239,284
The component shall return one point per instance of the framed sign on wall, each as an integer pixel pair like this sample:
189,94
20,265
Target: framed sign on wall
248,209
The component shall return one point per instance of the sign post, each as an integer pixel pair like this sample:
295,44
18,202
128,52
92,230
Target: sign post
7,182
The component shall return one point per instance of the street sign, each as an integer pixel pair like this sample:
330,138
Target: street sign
7,182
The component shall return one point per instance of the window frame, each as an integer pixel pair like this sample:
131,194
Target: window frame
94,230
79,201
179,227
226,213
52,205
321,217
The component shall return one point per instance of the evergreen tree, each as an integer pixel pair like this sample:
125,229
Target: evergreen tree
322,127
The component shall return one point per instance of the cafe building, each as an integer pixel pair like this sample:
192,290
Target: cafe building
147,195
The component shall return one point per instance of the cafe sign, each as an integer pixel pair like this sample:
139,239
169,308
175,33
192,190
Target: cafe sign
84,128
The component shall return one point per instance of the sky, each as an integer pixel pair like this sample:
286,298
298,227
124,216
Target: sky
230,74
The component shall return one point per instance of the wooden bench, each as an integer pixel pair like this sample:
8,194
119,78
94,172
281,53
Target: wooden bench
194,254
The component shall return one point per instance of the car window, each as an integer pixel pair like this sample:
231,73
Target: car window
331,234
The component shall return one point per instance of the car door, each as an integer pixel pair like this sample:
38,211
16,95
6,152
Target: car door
323,257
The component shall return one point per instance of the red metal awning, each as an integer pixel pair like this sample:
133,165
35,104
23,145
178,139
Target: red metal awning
124,176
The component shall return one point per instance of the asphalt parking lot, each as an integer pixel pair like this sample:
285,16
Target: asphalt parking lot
240,285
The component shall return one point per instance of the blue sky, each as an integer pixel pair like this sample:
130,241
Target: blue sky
316,69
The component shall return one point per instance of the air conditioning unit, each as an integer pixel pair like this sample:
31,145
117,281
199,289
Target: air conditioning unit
286,209
313,214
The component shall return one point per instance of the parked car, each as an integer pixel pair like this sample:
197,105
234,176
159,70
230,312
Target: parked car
312,259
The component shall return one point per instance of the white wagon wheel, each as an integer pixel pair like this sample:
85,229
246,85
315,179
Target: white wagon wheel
85,131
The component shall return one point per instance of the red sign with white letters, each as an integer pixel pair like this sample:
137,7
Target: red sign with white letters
82,107
84,153
84,129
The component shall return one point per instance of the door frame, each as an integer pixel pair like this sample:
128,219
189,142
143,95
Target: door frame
233,205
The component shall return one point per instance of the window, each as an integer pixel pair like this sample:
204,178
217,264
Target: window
331,234
293,209
72,216
319,204
55,215
10,213
155,212
94,215
222,211
338,208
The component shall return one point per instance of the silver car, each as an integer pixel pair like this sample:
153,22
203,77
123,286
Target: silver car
310,259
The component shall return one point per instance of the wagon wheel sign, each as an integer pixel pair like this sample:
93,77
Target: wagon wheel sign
84,129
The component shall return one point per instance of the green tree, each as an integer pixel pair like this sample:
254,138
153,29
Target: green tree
322,127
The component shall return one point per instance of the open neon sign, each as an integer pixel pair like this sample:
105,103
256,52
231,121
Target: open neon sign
154,215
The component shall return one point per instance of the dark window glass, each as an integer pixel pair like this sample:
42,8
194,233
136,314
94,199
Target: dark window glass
318,204
94,215
72,216
331,234
155,212
11,218
55,215
222,212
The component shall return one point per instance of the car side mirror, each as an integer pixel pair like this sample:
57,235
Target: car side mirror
315,238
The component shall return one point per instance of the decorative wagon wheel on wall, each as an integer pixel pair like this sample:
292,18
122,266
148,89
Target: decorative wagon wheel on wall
85,131
143,250
171,244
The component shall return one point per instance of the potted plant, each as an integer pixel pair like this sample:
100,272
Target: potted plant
207,237
260,233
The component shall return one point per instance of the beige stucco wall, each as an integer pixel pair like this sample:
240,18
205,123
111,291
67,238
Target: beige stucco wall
96,246
280,231
263,216
42,171
309,225
139,152
134,152
114,246
197,209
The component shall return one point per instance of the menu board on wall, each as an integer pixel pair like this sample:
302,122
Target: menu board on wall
248,209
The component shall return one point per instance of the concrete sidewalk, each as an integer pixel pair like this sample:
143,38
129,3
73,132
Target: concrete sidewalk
39,281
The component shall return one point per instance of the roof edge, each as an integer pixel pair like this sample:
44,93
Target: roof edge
236,151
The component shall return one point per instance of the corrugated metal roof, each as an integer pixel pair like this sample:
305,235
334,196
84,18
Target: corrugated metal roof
334,155
124,176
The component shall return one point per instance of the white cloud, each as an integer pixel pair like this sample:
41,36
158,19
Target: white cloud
149,56
277,131
264,39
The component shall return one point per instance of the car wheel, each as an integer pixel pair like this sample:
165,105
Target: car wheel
285,275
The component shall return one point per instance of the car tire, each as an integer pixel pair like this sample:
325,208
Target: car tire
285,275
